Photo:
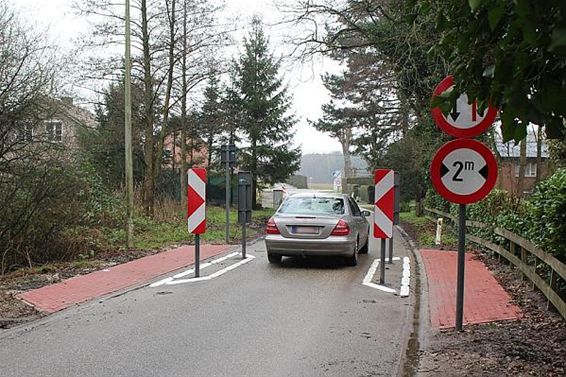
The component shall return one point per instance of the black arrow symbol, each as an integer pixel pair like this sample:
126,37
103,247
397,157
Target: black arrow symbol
455,114
443,170
484,172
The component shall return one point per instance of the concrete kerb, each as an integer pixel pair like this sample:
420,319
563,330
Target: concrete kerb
418,339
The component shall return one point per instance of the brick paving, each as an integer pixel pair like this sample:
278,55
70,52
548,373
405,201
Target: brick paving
53,298
484,298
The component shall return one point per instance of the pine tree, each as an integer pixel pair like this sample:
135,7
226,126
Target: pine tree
265,121
211,117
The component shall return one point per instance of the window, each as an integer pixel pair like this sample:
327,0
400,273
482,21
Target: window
313,206
355,209
530,170
25,133
54,131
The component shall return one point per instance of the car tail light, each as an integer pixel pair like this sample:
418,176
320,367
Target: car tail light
272,227
341,229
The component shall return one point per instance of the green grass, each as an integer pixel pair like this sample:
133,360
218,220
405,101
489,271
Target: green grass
426,231
151,235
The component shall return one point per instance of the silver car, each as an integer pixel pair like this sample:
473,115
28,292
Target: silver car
317,224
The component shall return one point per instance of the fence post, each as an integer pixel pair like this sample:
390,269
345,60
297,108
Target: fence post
525,261
553,281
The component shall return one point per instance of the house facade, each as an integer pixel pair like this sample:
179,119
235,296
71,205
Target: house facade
59,123
509,164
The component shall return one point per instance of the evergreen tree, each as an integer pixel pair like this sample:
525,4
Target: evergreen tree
104,145
211,117
265,121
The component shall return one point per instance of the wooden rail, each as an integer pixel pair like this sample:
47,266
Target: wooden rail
524,255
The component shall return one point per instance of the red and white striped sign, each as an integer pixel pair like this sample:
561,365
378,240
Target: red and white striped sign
384,203
196,200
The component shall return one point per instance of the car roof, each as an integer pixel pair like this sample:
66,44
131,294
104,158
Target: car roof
318,195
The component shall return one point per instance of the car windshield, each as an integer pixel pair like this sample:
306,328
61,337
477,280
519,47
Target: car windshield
313,206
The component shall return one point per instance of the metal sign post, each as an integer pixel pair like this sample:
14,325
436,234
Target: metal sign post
245,196
228,158
197,255
461,266
196,209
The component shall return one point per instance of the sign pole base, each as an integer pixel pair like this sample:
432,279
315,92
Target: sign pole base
382,264
228,189
461,265
197,255
390,244
243,241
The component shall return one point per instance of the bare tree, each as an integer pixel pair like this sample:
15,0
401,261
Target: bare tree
168,62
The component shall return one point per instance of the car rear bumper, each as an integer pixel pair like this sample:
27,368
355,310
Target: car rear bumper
333,246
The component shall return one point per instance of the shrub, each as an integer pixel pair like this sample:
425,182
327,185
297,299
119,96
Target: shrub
548,215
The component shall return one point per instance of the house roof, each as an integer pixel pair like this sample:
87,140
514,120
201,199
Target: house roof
512,150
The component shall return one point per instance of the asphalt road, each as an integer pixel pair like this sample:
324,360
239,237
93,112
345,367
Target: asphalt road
307,317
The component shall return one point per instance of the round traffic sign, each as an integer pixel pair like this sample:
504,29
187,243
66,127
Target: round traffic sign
463,171
464,120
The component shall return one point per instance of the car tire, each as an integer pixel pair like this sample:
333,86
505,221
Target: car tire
353,260
274,258
364,249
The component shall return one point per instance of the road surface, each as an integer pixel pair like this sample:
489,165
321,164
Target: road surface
307,317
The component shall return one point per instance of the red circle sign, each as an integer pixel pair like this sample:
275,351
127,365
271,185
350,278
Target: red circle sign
463,171
464,120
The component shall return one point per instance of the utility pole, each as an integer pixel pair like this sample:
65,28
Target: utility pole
128,135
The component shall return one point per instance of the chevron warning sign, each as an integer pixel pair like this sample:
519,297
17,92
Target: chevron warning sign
196,200
384,203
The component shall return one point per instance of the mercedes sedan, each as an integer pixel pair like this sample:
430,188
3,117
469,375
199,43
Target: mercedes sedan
317,224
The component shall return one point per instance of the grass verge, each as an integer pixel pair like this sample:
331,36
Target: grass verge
423,230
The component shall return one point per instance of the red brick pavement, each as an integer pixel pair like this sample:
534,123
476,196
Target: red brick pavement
484,299
53,298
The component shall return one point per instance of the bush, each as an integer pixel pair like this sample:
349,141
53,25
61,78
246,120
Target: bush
541,219
548,215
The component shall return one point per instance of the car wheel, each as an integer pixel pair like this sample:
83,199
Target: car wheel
353,260
365,248
274,258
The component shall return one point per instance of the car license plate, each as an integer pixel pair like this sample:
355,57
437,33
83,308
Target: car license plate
304,229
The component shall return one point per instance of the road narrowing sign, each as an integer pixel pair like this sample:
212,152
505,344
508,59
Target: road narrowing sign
464,120
196,200
384,203
463,171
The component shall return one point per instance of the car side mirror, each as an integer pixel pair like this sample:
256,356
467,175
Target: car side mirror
366,213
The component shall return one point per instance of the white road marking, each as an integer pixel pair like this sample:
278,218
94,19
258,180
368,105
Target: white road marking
176,278
249,258
372,269
405,281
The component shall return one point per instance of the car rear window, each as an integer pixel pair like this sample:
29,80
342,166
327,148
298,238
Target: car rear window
313,206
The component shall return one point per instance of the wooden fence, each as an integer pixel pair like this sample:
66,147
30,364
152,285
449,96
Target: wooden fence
521,253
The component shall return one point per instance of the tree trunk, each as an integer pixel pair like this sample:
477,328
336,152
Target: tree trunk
169,86
346,141
183,164
539,155
210,145
149,181
522,166
254,174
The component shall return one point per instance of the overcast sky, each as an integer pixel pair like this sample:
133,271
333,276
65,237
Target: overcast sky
304,81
